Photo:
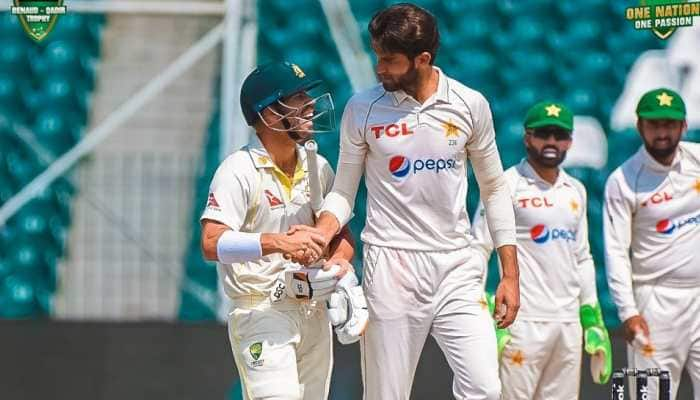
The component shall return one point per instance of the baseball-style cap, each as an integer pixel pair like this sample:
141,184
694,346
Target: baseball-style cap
548,113
661,103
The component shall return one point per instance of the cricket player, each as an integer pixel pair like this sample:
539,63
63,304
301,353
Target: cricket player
281,345
652,242
411,136
559,302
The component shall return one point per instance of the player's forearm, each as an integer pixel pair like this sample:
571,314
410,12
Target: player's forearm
328,224
340,201
509,262
617,229
496,197
211,232
587,283
342,246
220,243
620,283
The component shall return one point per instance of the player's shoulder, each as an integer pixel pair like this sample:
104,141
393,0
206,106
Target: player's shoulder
365,98
575,183
239,163
691,148
469,96
628,172
512,173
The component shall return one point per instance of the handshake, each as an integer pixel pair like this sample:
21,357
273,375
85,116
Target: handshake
301,244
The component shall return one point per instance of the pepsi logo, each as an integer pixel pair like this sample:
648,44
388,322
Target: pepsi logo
399,166
665,226
539,233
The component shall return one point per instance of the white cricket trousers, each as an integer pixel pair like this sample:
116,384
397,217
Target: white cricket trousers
542,361
282,351
673,317
411,294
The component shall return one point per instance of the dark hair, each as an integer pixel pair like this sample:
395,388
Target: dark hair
407,29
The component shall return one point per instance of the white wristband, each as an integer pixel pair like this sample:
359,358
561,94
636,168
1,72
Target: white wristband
238,247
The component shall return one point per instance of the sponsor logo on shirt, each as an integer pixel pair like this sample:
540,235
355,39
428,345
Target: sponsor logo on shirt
541,234
272,199
391,130
400,166
535,202
658,198
667,227
211,202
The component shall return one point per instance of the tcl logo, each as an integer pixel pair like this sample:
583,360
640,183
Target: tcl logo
658,198
535,202
391,130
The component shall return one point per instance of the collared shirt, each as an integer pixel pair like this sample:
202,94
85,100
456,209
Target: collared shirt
249,193
415,162
652,225
553,249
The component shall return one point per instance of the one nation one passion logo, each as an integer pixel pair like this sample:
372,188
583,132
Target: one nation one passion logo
662,16
38,17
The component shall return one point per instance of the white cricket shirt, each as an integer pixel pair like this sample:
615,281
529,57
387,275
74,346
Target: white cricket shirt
553,248
652,225
414,157
250,194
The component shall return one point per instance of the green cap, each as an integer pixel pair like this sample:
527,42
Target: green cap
269,83
661,103
548,113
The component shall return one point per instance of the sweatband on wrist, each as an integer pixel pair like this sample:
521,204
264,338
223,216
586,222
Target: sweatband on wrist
238,247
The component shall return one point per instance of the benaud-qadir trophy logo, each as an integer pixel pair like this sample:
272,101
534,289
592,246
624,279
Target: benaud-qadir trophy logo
38,17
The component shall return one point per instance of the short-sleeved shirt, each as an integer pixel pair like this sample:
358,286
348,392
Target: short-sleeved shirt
415,157
249,193
552,236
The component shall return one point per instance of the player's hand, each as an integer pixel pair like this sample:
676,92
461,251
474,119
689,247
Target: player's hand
301,245
345,266
507,302
307,257
634,325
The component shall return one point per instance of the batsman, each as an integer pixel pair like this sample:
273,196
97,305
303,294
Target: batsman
540,356
279,327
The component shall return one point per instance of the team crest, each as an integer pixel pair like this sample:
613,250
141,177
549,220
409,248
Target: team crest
255,350
38,18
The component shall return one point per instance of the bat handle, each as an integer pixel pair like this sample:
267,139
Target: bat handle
314,178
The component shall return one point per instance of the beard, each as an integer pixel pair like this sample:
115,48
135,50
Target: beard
406,82
549,156
659,150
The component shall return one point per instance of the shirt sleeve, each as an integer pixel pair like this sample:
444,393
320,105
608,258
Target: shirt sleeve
327,177
488,171
228,198
351,163
584,259
483,242
617,231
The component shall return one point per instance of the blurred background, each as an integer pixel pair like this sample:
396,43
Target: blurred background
112,127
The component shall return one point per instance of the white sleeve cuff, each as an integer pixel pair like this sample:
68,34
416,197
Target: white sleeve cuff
238,247
339,206
627,312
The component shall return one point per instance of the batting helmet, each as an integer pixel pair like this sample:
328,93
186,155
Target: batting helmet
269,83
